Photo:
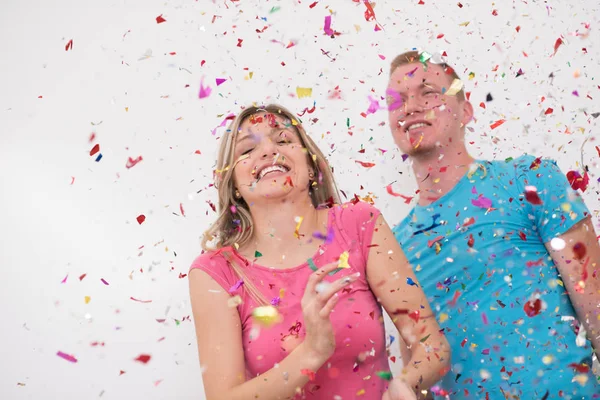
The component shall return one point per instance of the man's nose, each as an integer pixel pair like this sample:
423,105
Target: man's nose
412,105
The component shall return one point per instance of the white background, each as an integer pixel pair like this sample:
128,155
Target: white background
120,81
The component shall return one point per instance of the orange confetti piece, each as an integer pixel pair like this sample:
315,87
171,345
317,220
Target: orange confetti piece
365,164
497,123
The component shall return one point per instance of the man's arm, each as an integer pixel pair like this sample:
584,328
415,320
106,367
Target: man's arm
579,266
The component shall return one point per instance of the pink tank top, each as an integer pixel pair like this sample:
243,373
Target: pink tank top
357,318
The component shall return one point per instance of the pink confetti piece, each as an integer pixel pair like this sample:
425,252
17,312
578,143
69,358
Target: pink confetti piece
131,162
140,301
373,106
220,81
397,99
181,209
223,123
104,281
482,202
204,90
327,27
65,279
66,356
484,318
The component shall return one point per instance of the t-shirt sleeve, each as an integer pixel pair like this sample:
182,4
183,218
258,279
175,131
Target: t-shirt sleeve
557,207
216,267
360,218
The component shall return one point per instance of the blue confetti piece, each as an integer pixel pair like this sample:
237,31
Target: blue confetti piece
99,157
411,282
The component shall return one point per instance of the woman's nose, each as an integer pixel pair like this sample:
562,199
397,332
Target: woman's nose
268,149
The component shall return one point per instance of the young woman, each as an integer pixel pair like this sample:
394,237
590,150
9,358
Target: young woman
287,297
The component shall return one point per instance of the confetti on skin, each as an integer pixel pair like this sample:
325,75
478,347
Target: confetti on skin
579,251
141,218
257,254
454,88
66,356
311,374
204,90
411,282
143,358
415,315
266,316
326,238
298,224
131,162
140,301
407,199
397,100
303,92
343,262
531,195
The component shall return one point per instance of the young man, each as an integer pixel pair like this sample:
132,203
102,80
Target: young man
505,250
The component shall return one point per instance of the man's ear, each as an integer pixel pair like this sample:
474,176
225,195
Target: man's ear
467,112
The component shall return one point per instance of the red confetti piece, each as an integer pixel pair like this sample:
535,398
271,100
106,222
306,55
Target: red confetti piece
532,197
81,277
313,4
288,181
143,358
598,150
311,374
580,368
66,356
72,180
579,251
434,241
471,241
141,218
533,308
239,43
95,149
140,301
69,45
549,111
365,164
523,236
557,45
497,123
131,162
160,19
415,315
452,302
369,13
407,199
577,181
181,209
464,341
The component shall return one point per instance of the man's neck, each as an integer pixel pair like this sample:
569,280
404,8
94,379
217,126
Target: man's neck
438,172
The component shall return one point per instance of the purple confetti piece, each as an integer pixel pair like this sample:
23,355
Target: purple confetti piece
236,286
104,281
275,301
220,81
404,157
482,202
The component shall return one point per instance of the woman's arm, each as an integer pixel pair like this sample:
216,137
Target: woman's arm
394,283
219,335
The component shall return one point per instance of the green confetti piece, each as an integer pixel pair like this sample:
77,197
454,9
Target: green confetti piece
424,57
425,338
311,264
386,375
348,122
509,159
257,254
274,10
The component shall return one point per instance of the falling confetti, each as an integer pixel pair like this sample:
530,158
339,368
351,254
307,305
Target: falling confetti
67,357
143,358
131,162
204,90
160,19
141,218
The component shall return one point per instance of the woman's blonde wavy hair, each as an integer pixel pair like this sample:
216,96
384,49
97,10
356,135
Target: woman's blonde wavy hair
236,229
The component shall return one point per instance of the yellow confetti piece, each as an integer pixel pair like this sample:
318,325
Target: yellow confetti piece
455,87
566,207
360,392
249,76
443,317
303,92
471,76
298,223
87,299
343,263
581,379
266,316
466,23
234,301
281,293
547,359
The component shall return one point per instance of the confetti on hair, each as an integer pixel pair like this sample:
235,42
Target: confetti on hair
66,356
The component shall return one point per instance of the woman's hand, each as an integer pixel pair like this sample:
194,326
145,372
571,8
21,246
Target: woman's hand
399,390
320,297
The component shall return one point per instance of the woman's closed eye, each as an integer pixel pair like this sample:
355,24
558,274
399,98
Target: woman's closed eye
247,151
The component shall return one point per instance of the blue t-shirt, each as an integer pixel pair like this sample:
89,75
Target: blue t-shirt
479,255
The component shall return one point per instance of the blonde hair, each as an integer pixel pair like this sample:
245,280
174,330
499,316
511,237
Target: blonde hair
236,229
414,57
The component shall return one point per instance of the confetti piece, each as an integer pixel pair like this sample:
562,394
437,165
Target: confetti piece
131,162
303,92
234,301
67,357
454,88
531,195
236,286
220,81
140,301
266,316
311,264
65,279
411,282
182,210
577,181
69,45
407,199
533,308
482,202
415,315
143,358
204,90
580,368
343,262
311,374
141,218
327,238
497,124
104,281
160,19
257,254
298,224
327,26
87,299
557,44
95,149
365,164
394,100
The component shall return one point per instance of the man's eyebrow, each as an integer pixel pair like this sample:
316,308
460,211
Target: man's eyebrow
422,86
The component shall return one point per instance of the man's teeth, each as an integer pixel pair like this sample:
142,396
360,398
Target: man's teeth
273,168
415,126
